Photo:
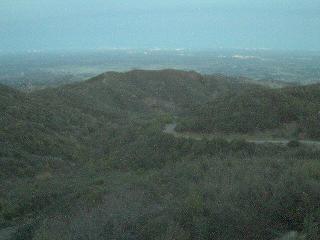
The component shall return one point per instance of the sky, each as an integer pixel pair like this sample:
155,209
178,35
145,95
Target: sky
192,24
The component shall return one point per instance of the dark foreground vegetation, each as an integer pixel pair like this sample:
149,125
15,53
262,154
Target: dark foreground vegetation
91,161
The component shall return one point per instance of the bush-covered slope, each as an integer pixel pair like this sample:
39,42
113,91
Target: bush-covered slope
260,109
140,91
76,121
31,134
90,161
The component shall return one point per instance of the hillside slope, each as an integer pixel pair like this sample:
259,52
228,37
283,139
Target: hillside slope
75,121
140,91
90,160
31,134
260,109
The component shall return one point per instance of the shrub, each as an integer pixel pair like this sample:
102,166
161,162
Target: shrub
293,144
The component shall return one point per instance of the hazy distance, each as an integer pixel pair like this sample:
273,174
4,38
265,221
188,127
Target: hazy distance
193,24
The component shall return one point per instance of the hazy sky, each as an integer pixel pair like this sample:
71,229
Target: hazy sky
88,24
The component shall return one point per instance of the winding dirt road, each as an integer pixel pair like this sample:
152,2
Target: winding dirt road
171,129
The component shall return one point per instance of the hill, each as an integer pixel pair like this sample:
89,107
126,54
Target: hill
260,109
140,92
68,122
90,160
72,122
